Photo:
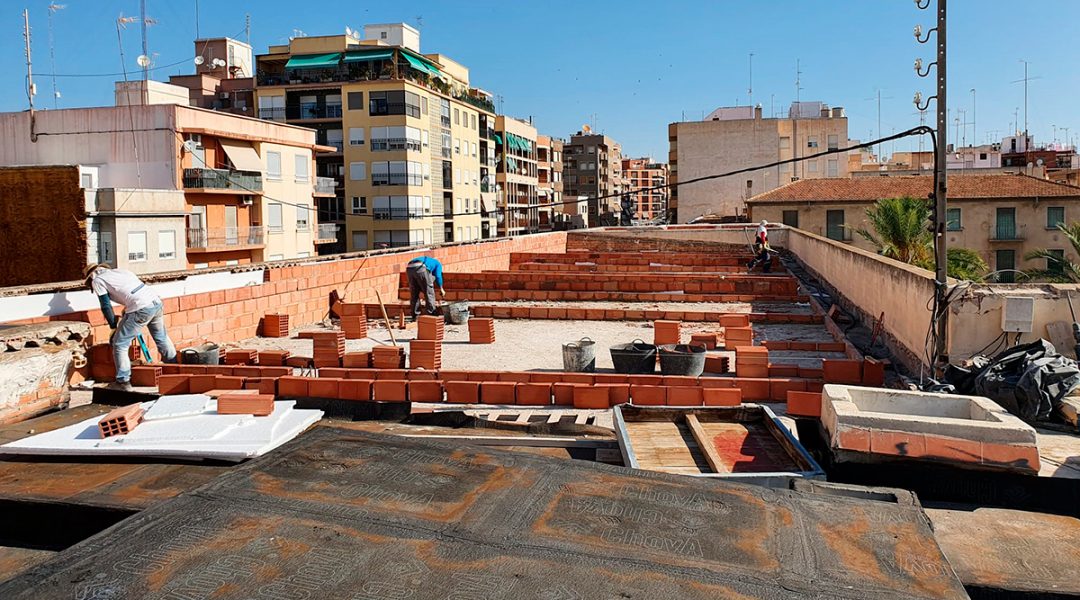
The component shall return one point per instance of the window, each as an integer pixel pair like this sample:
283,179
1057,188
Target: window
791,218
136,241
334,138
356,100
834,225
166,244
811,166
457,146
232,263
1005,224
394,103
1055,215
457,117
1055,263
356,136
302,162
424,137
459,236
834,141
397,172
87,181
359,205
832,168
472,122
395,138
446,143
276,257
423,105
105,247
303,254
811,142
982,156
1005,262
952,220
359,240
785,143
590,149
301,218
273,165
273,217
473,149
357,171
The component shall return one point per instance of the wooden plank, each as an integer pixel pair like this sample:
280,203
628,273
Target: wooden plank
664,445
1061,336
542,442
704,444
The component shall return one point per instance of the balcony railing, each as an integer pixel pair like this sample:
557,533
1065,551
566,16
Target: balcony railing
276,113
224,238
326,232
416,179
223,179
395,144
314,111
400,214
325,185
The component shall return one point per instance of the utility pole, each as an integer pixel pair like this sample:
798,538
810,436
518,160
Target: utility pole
247,28
974,133
941,274
795,121
142,22
1025,80
31,89
750,89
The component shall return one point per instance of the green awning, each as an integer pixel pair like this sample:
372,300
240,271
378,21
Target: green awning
368,56
498,138
421,65
314,61
511,163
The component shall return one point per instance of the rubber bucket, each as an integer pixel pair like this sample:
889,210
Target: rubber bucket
456,313
682,359
579,356
635,358
206,354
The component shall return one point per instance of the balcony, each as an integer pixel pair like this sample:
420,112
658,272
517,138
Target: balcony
223,180
387,144
326,233
276,113
400,214
224,239
313,111
325,186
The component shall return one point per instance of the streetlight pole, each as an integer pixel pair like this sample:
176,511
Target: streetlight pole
974,132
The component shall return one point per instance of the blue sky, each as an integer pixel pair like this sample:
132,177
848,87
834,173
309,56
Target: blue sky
631,66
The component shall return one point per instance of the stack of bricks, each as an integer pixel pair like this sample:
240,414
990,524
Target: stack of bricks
388,357
329,348
259,405
121,420
709,340
481,331
275,325
241,356
273,358
666,332
752,361
737,331
425,354
354,327
430,328
356,360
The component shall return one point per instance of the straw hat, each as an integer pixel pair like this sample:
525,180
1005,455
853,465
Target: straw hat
89,270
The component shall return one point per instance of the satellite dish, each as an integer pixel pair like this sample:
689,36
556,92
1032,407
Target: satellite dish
191,145
199,60
348,31
143,60
218,62
1039,162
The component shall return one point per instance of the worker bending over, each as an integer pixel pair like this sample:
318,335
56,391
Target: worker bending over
423,273
762,249
142,308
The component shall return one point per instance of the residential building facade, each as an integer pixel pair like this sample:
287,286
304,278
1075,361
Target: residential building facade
246,185
736,139
406,130
224,77
516,177
592,167
549,180
1000,216
643,175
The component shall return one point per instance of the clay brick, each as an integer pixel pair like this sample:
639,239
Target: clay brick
1023,457
462,392
498,392
779,388
338,373
200,384
811,373
396,374
721,396
953,449
618,393
734,321
355,389
172,384
648,395
323,387
425,391
755,371
293,387
855,439
842,371
145,376
592,396
897,443
754,389
646,379
803,404
705,339
580,378
783,370
776,344
390,390
680,380
534,394
610,379
666,332
120,421
483,375
563,393
717,364
259,405
517,377
803,346
545,377
873,372
356,360
422,375
684,396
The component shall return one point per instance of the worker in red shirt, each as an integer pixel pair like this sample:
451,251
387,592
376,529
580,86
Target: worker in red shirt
762,250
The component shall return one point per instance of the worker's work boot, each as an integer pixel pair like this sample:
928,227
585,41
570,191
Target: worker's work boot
120,386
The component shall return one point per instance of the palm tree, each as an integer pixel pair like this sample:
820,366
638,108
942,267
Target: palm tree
900,230
1059,269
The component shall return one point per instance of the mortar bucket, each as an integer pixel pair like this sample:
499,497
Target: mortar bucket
456,313
682,359
579,356
635,358
206,354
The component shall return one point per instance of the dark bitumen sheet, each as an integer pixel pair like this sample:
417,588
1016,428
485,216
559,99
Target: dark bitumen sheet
345,514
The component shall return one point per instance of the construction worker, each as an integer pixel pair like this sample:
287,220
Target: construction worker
761,248
423,272
142,308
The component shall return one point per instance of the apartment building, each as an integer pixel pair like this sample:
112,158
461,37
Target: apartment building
592,167
643,174
1000,216
516,176
224,76
735,138
246,184
549,181
405,128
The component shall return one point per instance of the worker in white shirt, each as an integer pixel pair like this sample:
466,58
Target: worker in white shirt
761,248
142,308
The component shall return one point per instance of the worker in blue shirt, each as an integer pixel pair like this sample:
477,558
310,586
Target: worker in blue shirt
423,272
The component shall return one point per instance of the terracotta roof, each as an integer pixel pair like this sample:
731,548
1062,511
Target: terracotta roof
961,187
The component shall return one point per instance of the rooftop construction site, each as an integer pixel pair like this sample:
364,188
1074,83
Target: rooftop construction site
604,413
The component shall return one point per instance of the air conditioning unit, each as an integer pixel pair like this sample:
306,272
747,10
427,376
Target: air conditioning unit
1018,314
246,201
223,95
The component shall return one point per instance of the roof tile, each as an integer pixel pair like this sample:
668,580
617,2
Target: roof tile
862,189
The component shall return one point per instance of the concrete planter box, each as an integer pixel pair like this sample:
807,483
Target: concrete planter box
968,430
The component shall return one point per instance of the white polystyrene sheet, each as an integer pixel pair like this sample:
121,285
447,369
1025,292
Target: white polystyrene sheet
207,435
180,405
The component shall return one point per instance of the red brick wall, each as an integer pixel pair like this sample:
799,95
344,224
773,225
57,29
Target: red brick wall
302,291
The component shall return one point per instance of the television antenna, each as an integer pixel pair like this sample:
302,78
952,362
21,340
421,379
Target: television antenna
53,9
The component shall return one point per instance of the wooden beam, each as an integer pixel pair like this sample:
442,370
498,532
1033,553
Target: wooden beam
705,444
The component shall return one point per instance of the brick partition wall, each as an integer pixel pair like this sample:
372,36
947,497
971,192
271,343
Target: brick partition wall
302,290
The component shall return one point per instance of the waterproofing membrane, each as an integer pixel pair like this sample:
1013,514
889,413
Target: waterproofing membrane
346,514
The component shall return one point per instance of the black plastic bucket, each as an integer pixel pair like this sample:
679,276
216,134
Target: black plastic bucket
456,313
682,359
579,356
206,354
635,358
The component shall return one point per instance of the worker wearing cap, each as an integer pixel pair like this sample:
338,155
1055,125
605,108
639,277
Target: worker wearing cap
761,248
142,308
423,273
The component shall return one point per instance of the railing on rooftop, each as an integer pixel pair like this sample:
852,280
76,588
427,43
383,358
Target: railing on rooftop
225,238
398,214
325,185
223,179
276,113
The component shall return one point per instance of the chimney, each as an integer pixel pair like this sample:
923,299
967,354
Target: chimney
757,112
